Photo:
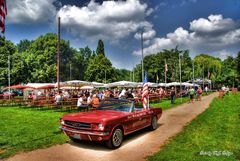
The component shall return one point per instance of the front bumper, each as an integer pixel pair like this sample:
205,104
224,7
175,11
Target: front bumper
86,135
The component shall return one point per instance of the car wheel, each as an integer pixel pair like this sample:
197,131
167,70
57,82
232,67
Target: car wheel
154,124
116,139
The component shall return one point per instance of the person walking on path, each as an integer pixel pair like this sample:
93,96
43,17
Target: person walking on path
191,95
173,95
199,94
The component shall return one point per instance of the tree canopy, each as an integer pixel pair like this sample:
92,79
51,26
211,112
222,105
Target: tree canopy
35,61
100,48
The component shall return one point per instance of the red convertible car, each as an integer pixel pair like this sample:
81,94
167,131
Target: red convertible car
113,119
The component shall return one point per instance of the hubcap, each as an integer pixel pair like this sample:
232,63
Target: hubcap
117,137
154,123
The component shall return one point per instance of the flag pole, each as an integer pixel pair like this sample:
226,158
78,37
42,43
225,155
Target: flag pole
203,76
9,76
165,73
58,57
142,55
180,75
193,72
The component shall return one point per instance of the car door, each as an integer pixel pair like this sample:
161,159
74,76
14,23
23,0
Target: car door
142,119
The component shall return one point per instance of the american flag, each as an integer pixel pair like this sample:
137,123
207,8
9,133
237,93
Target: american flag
3,13
145,92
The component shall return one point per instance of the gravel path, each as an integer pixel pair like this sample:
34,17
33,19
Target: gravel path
135,146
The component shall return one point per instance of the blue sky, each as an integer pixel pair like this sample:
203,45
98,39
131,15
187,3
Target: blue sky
202,26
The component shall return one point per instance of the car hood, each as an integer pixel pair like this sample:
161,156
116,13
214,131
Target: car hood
97,116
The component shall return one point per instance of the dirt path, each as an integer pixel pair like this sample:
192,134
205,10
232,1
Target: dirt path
135,147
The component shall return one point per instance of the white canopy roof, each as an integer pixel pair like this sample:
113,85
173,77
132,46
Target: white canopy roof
122,84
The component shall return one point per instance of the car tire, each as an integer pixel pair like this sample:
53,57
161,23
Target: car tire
116,139
154,124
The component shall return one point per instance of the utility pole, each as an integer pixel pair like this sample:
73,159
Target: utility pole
105,76
142,55
9,76
203,76
165,69
58,57
180,75
193,73
70,71
133,75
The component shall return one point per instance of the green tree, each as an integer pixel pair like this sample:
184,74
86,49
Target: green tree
204,64
7,48
42,53
100,48
229,72
99,68
23,45
238,68
79,62
123,74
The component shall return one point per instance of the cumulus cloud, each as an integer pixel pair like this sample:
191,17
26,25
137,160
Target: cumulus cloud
148,33
111,20
31,11
204,35
214,25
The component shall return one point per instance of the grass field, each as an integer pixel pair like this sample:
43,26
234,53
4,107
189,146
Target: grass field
28,129
166,104
213,136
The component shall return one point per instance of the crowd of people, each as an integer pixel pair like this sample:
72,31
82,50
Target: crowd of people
92,98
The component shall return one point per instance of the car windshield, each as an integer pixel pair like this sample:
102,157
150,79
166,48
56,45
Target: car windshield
116,105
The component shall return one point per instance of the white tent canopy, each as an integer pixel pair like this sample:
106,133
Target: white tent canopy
87,87
186,84
122,84
39,85
173,84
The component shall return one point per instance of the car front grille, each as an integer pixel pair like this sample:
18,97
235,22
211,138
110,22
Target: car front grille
78,124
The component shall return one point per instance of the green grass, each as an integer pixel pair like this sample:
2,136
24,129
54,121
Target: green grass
166,104
210,137
28,129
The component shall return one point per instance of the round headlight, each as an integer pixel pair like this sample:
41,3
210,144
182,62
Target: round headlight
100,126
62,122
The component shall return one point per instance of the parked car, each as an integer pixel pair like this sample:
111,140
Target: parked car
110,122
6,94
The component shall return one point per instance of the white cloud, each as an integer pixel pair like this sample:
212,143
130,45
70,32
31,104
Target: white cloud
148,33
205,35
215,24
111,20
223,54
31,11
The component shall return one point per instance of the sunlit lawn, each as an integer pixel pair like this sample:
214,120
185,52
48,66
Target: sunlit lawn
28,129
166,103
213,136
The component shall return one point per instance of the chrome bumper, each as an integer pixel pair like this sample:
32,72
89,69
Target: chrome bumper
96,133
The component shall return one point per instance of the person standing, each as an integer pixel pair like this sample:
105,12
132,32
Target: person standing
59,98
173,95
191,95
199,94
81,104
206,90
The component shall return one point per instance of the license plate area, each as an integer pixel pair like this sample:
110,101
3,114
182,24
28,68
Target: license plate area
77,136
74,135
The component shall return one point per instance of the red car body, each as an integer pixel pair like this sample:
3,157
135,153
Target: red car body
107,123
